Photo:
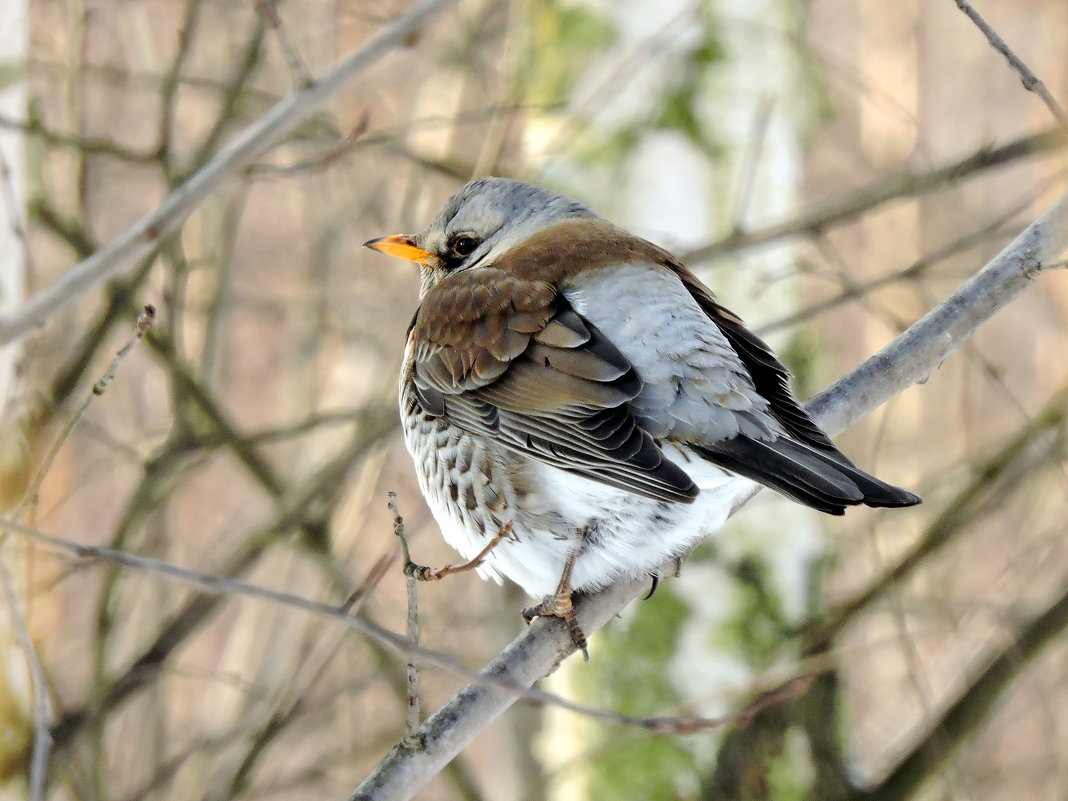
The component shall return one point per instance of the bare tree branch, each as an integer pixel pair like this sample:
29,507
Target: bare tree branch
919,350
143,237
973,705
993,479
1030,81
866,198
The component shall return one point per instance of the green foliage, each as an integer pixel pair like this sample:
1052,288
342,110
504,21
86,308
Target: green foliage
636,669
561,40
677,109
790,773
759,624
802,355
11,73
630,675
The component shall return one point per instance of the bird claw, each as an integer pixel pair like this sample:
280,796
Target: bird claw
561,606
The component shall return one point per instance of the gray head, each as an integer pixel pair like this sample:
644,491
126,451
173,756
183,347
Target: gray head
485,219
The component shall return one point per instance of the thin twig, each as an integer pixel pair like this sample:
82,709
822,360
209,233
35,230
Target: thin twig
971,708
217,585
89,145
319,162
918,268
358,597
992,481
414,716
144,322
318,492
1030,81
750,161
298,69
42,743
168,88
15,215
853,204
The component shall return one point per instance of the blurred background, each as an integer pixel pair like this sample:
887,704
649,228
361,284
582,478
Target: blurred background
831,168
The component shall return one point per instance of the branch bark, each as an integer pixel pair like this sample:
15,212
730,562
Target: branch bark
908,359
143,237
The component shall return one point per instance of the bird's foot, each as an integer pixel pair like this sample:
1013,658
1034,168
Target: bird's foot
424,573
560,605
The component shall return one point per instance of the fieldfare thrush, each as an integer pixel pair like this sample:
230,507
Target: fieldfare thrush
573,396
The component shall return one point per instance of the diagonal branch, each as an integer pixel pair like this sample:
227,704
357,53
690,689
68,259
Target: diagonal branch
855,203
993,480
972,707
913,355
1031,82
281,120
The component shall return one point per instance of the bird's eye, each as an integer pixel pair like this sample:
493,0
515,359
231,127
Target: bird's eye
464,245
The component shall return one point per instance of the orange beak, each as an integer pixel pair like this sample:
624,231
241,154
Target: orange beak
402,246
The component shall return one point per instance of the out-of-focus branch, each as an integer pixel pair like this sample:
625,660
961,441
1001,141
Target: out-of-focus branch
42,703
913,355
143,237
236,87
223,585
917,269
992,481
187,386
269,12
1030,81
316,494
971,709
89,145
919,350
862,200
144,322
168,89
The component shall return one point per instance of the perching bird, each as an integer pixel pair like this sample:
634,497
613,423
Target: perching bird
572,395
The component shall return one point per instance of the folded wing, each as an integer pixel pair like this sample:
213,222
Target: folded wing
518,364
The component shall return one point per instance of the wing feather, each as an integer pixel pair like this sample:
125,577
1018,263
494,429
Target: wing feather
532,373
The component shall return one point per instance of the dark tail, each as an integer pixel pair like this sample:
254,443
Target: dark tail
822,479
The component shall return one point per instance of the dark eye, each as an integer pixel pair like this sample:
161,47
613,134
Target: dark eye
463,245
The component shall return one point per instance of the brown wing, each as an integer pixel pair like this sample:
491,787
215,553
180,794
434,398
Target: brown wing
510,358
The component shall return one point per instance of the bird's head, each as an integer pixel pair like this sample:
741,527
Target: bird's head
479,224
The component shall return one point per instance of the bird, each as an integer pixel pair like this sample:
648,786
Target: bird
580,408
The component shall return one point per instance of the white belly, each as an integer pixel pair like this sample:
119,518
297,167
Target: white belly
619,534
694,385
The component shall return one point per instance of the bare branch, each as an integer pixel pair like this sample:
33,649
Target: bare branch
319,162
142,238
219,585
992,481
914,354
89,145
973,705
269,12
1030,81
414,715
42,704
144,322
856,203
918,351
